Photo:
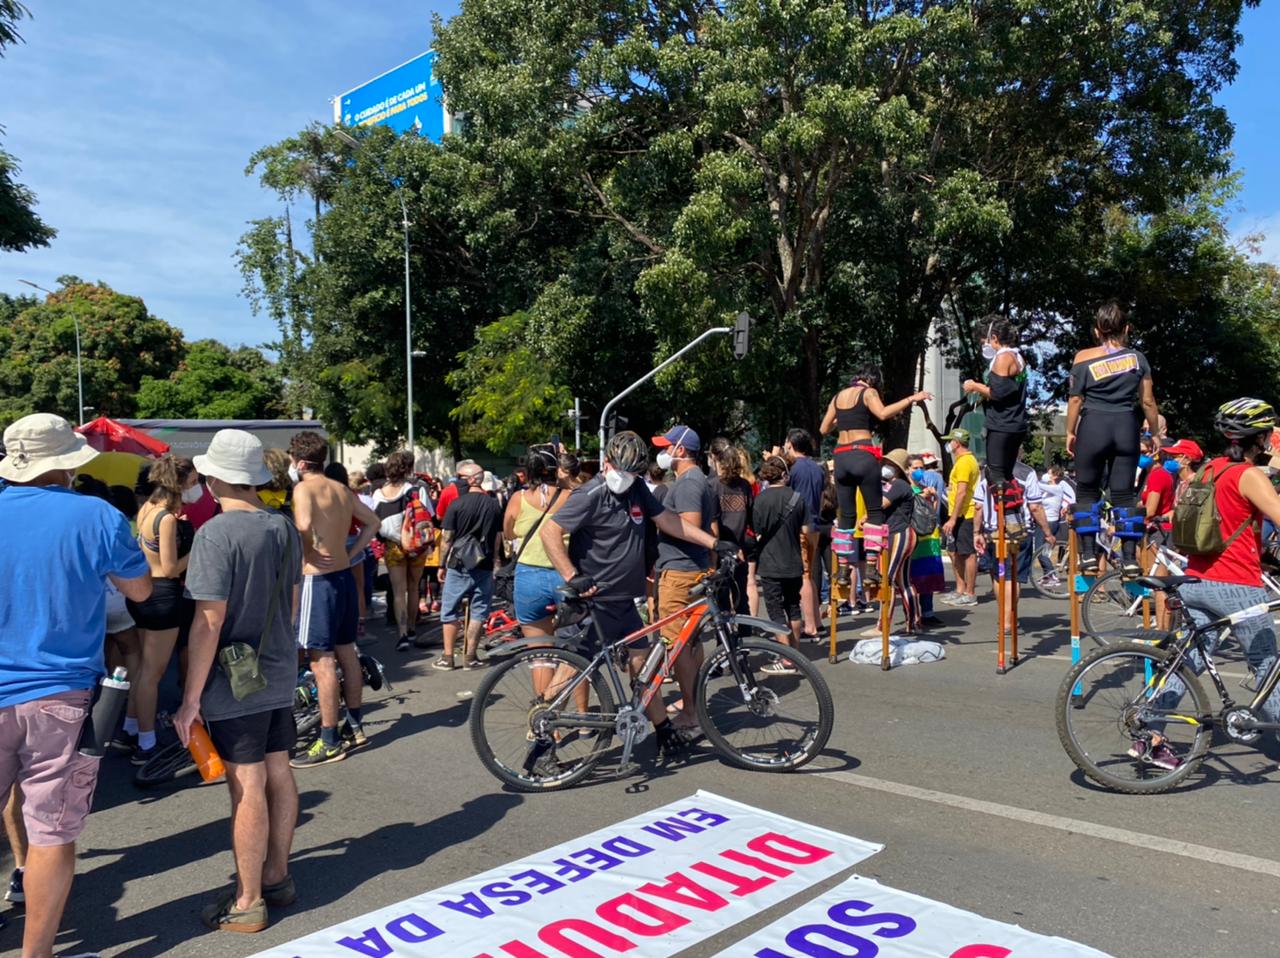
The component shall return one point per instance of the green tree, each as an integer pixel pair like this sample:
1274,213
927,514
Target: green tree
842,170
214,381
509,394
20,227
121,345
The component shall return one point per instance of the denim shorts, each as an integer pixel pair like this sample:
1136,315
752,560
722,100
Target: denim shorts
535,590
461,584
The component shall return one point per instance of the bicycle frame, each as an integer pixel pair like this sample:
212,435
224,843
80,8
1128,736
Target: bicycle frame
1195,638
701,609
1176,564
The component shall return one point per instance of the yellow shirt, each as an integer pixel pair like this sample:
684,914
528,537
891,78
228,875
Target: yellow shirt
965,470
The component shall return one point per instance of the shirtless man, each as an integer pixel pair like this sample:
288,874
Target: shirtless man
328,611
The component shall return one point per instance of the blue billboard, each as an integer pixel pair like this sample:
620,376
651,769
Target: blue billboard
405,98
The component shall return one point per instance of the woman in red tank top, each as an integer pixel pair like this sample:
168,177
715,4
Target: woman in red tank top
1231,580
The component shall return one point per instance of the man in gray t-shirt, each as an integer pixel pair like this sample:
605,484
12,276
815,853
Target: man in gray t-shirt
681,563
244,567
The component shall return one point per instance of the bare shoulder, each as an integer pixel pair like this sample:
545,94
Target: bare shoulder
1084,355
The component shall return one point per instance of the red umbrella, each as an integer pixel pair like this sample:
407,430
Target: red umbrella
107,435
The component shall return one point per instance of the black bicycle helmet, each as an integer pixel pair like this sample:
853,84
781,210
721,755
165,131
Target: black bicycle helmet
627,452
1244,418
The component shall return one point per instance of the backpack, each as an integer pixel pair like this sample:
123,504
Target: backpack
1197,524
924,516
416,532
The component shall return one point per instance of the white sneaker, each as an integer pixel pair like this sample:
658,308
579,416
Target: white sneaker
951,598
966,600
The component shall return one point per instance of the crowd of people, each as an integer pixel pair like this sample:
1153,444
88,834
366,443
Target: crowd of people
248,564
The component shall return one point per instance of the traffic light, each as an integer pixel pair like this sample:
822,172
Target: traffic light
741,335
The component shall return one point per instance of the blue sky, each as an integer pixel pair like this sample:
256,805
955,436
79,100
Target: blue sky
133,123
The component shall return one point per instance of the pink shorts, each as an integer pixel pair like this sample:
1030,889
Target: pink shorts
38,751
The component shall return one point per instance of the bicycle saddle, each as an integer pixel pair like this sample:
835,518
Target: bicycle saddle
1165,583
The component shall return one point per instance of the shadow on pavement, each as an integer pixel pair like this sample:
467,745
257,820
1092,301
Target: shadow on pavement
166,927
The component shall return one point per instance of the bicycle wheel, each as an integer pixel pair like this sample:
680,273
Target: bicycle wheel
1118,704
1111,608
509,716
1052,582
170,761
781,724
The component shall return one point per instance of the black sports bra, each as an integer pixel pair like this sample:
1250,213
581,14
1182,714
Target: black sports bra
855,418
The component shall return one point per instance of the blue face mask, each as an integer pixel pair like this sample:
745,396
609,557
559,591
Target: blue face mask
917,475
1172,467
1144,462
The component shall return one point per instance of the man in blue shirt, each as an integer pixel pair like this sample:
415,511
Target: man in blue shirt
808,478
54,622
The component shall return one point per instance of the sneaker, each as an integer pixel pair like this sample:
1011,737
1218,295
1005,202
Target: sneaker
470,665
932,621
282,894
781,667
670,742
1161,756
353,736
318,754
141,756
965,600
1131,569
221,914
124,742
403,643
443,664
14,892
950,598
1051,580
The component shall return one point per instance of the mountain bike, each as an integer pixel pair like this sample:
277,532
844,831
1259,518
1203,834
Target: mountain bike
173,760
761,704
1111,608
1118,698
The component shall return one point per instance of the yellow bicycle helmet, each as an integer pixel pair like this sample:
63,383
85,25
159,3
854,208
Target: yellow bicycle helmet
1243,418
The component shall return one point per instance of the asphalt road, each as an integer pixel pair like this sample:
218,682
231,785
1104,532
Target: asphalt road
956,770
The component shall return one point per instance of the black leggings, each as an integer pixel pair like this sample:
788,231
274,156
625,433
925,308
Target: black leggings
1002,453
1107,440
858,469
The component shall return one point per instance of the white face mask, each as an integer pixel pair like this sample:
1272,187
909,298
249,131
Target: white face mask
664,460
193,494
618,481
887,473
294,475
988,351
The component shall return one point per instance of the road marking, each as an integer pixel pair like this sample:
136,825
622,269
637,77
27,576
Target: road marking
1215,856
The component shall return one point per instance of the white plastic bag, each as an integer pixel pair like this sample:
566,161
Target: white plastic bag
902,651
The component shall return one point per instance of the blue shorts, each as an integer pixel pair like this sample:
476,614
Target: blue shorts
535,590
328,613
462,584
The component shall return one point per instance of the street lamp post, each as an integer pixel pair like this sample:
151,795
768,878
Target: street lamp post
408,302
79,365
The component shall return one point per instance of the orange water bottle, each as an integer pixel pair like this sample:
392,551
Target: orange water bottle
208,761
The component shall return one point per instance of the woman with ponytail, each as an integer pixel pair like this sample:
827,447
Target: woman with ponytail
853,411
166,616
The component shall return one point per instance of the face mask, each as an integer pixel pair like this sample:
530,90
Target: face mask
1172,467
917,475
1144,462
193,494
887,473
988,351
618,481
664,460
294,475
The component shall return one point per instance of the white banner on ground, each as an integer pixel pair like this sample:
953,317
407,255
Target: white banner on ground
861,918
650,886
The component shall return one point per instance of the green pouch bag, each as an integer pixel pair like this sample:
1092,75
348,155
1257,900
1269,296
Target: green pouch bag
239,661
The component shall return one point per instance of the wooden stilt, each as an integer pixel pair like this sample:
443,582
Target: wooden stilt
1001,583
835,606
886,607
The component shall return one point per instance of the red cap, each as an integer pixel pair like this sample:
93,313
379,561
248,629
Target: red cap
1185,447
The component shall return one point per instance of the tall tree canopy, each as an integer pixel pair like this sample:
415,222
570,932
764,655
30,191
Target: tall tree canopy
858,176
20,227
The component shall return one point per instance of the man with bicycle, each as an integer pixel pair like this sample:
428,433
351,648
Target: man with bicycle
604,560
1231,580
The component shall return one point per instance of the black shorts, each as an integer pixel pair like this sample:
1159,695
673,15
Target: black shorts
248,739
165,608
781,598
961,541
